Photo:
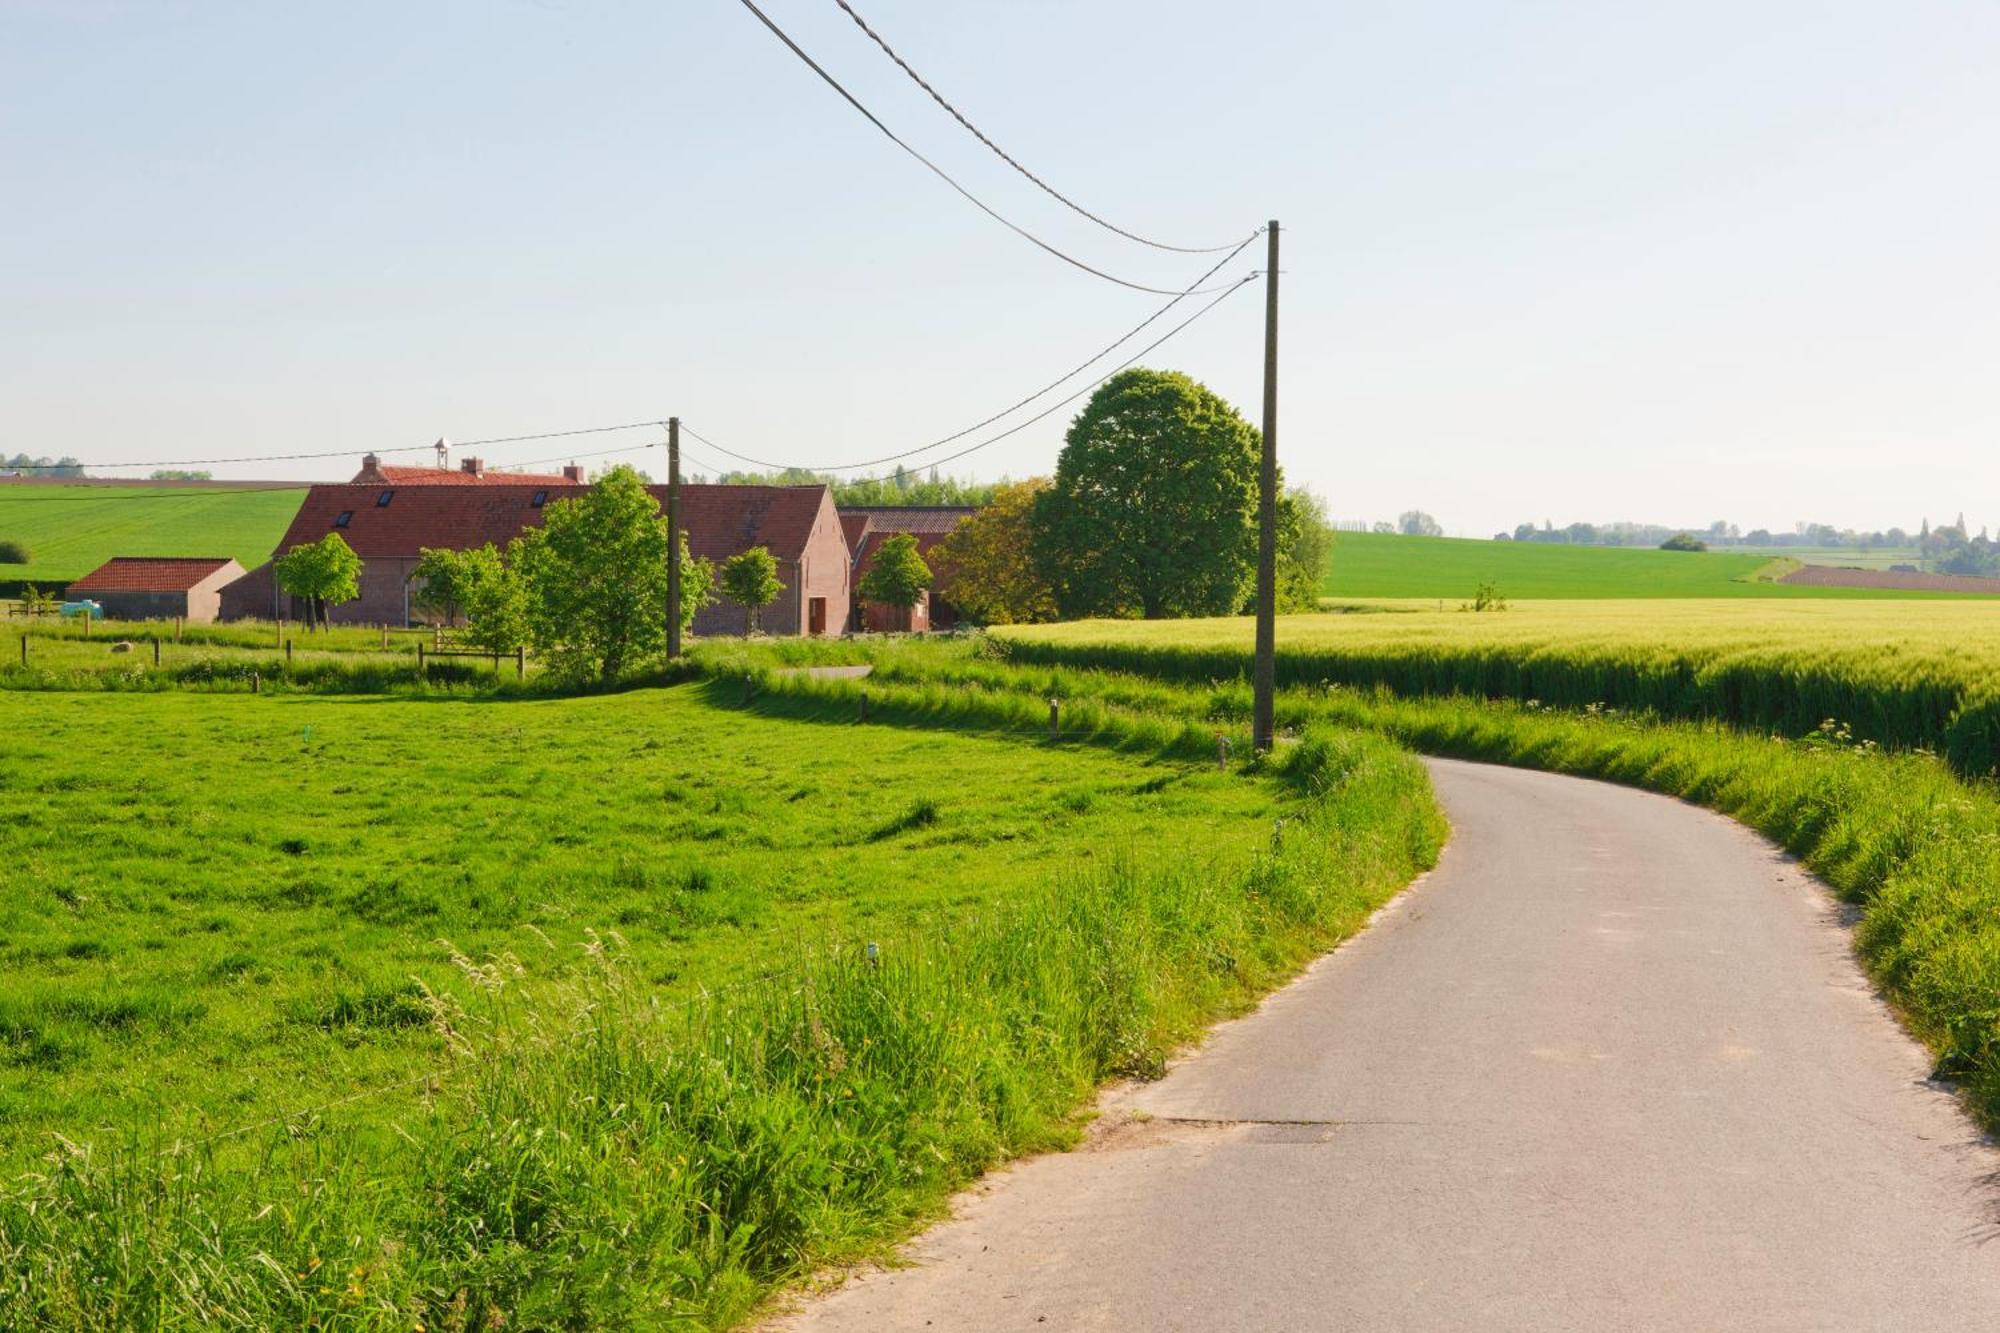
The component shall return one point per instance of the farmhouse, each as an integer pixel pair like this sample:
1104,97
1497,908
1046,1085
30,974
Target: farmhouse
390,525
156,588
867,527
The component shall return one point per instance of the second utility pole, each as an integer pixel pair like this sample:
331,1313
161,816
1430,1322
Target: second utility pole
1264,676
673,537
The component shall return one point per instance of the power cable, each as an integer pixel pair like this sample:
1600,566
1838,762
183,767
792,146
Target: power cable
1007,157
1015,429
349,453
939,171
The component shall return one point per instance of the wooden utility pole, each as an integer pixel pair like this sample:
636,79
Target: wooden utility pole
1265,675
673,537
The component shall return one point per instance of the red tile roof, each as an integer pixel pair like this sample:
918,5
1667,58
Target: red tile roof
853,527
129,573
720,520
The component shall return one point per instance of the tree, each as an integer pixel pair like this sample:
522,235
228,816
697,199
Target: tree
594,580
438,583
987,563
325,573
750,579
1154,506
1416,523
1683,541
494,598
897,576
1305,544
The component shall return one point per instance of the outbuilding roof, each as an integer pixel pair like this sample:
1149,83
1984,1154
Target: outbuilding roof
130,573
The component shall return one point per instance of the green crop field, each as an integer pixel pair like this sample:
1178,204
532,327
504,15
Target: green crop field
1368,564
70,530
1913,674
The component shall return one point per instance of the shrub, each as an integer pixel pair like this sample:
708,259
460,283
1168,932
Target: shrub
13,551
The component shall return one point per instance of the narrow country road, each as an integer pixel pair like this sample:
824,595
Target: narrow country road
1611,1066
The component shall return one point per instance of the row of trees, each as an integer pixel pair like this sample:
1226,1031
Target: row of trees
1152,512
1719,533
900,487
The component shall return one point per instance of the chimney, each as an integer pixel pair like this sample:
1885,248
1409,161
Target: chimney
471,465
573,473
369,462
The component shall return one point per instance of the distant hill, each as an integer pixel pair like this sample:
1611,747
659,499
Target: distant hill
70,529
1381,565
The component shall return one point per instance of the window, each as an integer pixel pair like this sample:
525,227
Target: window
541,498
382,500
346,517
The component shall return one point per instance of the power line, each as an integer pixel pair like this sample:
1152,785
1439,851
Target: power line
1007,157
939,171
1093,359
1015,429
347,453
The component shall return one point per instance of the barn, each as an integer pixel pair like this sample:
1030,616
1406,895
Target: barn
867,527
131,587
390,525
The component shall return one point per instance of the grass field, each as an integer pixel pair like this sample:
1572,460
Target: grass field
1452,568
70,530
1906,674
219,903
468,946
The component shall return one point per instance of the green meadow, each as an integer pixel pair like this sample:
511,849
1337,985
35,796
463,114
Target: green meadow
1367,564
69,530
221,907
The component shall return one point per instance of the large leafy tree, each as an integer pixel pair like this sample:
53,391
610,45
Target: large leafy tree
750,579
326,573
897,576
437,584
1154,507
594,580
987,567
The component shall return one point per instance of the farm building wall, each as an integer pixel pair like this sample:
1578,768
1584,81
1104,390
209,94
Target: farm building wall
821,572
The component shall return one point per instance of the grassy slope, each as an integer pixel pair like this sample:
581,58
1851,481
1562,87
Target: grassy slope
194,944
70,530
1379,565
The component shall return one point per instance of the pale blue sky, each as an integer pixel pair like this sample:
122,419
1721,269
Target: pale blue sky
1570,261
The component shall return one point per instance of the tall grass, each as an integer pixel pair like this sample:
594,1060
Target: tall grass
611,1163
1909,676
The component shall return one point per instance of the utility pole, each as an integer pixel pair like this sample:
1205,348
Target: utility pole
673,537
1265,674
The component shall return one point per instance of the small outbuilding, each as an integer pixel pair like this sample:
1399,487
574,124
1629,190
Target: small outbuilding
133,587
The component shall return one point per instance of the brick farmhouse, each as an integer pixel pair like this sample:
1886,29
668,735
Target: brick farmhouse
390,515
159,588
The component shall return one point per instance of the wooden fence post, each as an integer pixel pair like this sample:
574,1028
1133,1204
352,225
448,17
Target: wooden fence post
385,634
24,647
1222,752
521,662
256,683
86,622
1055,718
156,650
420,659
863,714
288,653
177,629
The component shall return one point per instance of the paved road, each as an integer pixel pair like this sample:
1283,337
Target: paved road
1611,1066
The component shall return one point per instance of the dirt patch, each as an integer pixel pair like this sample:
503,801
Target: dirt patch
1828,576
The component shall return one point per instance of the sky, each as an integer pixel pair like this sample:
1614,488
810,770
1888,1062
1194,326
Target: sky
1586,261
